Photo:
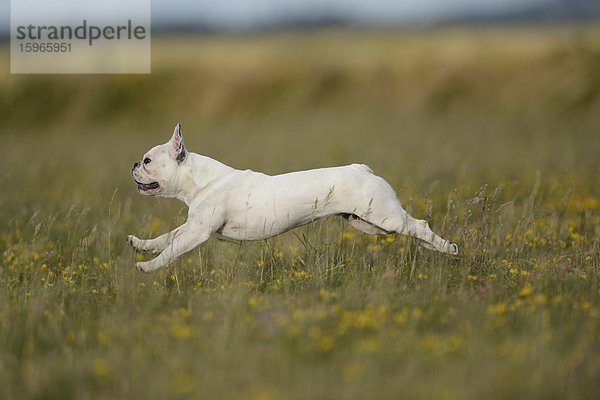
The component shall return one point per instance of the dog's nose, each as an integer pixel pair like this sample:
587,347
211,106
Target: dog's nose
135,165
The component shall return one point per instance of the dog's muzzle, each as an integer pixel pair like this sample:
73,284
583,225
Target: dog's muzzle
143,187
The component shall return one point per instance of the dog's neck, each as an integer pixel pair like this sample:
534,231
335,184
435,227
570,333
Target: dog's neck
196,174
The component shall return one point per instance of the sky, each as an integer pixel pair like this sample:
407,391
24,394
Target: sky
253,14
244,14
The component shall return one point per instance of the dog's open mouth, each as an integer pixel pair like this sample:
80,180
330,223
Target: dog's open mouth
147,186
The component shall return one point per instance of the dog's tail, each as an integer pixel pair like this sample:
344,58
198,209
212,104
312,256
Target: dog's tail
363,167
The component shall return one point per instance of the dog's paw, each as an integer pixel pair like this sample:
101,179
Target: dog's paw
134,242
453,249
143,266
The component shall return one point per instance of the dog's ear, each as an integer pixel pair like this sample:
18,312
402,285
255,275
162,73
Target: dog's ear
177,148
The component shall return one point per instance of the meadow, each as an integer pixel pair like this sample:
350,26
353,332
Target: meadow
491,134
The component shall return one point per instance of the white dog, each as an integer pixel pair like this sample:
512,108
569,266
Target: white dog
248,205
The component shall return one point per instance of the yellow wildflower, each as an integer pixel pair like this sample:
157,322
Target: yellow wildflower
526,290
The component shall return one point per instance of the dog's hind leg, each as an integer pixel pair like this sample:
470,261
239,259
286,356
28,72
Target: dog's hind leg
365,226
379,211
390,217
419,228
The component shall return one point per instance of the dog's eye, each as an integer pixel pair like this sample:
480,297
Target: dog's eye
147,160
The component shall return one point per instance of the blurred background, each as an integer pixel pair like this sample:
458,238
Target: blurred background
454,93
483,115
256,15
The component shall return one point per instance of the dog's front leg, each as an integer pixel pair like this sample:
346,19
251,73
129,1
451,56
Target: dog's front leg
155,245
187,238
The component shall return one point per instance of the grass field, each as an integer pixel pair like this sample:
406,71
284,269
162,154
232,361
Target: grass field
491,134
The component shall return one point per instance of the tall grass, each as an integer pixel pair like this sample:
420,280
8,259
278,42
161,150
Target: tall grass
492,135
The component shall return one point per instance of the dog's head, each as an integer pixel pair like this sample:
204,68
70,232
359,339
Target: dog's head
156,174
